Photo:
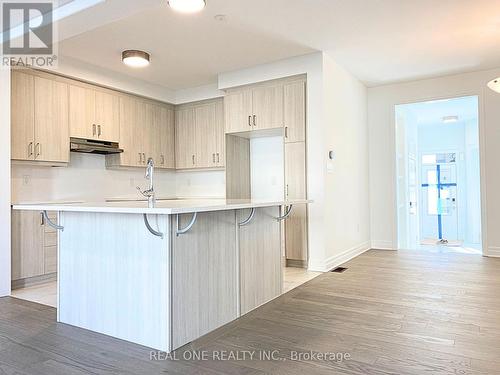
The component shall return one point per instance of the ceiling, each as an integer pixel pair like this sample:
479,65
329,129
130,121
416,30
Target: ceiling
379,41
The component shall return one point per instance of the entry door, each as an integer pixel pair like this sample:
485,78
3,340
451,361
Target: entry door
439,219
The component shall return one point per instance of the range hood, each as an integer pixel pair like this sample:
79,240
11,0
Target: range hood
90,146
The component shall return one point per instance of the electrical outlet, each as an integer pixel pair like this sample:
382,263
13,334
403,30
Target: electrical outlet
26,179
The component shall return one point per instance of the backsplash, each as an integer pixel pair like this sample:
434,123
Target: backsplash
86,178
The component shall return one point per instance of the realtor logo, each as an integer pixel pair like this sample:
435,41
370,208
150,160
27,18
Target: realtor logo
28,33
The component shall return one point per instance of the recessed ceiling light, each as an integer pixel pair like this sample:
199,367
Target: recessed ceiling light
220,17
495,84
187,6
448,119
135,58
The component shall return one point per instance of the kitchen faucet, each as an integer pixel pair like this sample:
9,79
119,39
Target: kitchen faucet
150,193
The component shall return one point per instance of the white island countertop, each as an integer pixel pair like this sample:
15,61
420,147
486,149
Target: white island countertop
163,207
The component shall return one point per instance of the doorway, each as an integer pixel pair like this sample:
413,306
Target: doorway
438,175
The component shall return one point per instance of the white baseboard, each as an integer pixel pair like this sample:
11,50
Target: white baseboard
337,260
382,245
493,251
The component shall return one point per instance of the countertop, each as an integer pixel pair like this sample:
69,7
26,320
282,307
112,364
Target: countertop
165,207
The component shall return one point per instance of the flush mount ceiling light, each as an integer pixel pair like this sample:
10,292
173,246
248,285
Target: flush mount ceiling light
135,58
187,6
495,84
449,119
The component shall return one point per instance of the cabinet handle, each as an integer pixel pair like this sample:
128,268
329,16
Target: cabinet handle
42,219
254,117
30,149
286,131
93,129
287,190
144,158
249,120
38,150
218,160
213,158
98,130
193,159
140,158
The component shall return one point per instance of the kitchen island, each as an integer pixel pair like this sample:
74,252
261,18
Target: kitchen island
163,276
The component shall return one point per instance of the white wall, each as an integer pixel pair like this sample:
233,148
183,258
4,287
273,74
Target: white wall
4,182
267,168
94,74
198,93
347,208
336,119
381,101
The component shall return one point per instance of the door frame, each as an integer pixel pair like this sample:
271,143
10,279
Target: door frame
5,183
482,159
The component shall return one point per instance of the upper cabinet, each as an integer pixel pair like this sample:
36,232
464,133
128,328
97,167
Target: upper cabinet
295,111
199,135
267,104
238,111
254,108
39,119
163,119
94,114
146,131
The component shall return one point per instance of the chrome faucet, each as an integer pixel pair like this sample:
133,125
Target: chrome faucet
149,193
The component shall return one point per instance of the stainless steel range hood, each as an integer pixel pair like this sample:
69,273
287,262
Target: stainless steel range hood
90,146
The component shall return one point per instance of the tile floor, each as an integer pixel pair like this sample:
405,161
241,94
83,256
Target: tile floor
45,294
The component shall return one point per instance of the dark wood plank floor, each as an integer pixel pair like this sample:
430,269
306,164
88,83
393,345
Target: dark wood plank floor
390,313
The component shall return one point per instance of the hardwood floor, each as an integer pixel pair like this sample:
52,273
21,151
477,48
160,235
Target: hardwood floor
404,312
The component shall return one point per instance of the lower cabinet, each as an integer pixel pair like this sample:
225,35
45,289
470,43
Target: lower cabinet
34,245
260,258
296,236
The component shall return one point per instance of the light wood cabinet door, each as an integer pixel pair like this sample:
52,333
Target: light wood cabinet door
23,116
82,122
130,134
296,233
295,111
206,135
260,258
107,116
27,244
267,104
144,129
220,134
238,111
295,170
150,143
51,121
165,128
185,138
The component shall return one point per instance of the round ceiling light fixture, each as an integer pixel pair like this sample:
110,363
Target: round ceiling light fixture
494,84
187,6
135,58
